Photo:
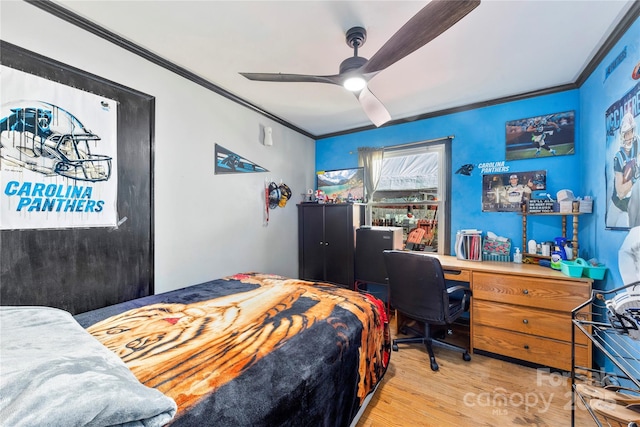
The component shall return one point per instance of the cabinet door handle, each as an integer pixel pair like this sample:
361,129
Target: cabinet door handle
326,243
525,321
526,347
525,291
321,243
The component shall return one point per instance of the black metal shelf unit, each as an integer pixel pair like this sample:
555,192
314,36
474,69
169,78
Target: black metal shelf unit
614,343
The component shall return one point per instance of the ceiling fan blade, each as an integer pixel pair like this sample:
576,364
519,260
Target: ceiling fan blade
434,19
292,78
373,108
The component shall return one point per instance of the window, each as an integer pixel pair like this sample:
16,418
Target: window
412,191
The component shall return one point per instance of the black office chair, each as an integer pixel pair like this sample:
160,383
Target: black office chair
418,290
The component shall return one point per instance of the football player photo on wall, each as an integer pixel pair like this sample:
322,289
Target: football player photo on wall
508,192
621,166
541,136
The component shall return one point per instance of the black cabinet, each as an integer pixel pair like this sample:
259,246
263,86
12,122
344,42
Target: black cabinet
372,242
326,236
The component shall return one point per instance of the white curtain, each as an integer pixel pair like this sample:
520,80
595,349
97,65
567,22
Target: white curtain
371,159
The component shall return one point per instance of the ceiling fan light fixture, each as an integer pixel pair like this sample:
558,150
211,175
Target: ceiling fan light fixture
355,72
355,83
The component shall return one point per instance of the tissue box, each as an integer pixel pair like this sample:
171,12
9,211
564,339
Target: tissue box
586,206
496,250
566,206
565,195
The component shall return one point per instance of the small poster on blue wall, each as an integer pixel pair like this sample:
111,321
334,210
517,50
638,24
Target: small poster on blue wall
541,136
507,192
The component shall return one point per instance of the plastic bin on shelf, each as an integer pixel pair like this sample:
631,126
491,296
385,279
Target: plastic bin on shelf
573,268
595,272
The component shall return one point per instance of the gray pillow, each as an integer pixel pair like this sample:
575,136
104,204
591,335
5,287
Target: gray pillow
54,373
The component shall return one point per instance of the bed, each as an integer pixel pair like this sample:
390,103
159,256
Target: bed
246,350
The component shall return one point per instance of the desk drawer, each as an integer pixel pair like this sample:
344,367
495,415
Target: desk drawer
546,324
528,291
457,274
543,351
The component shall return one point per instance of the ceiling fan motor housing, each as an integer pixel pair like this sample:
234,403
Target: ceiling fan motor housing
356,37
352,63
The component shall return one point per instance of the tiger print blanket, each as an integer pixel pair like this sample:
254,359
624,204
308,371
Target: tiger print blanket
252,349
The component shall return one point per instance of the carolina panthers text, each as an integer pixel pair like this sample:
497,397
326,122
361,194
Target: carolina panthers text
39,197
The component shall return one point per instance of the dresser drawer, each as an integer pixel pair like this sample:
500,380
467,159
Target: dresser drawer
529,291
547,324
543,351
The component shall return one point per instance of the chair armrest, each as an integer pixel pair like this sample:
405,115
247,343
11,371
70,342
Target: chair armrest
456,288
466,296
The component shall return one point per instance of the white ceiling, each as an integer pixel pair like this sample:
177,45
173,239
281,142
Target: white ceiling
501,49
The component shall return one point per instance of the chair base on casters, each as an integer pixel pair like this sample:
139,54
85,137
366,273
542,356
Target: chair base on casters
429,343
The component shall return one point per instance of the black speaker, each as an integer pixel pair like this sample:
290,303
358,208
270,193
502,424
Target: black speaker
370,242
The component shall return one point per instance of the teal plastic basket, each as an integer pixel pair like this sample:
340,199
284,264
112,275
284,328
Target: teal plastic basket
595,272
573,268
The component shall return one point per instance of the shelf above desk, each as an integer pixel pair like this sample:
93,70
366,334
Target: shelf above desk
574,234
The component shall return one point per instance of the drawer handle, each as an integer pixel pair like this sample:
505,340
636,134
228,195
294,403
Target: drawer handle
452,272
526,347
525,321
526,291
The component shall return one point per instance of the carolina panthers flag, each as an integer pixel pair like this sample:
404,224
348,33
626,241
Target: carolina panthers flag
58,159
230,162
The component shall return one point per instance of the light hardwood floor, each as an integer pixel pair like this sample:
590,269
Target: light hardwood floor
483,392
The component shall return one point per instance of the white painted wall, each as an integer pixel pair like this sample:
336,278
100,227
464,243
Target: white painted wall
206,226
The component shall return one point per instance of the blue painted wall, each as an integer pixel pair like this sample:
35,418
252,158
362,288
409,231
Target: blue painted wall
480,137
597,94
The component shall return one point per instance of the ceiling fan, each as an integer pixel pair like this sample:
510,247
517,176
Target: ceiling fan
356,71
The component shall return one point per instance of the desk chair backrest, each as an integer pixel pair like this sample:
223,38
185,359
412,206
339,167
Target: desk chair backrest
417,287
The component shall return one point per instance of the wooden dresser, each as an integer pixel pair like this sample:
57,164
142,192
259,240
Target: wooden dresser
523,311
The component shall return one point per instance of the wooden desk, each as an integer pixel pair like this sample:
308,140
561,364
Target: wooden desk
522,311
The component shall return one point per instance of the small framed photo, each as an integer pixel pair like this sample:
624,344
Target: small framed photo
541,136
507,192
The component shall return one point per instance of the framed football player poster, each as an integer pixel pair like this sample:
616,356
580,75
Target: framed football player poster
508,192
541,136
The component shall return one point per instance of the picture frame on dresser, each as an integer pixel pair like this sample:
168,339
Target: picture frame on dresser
342,185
